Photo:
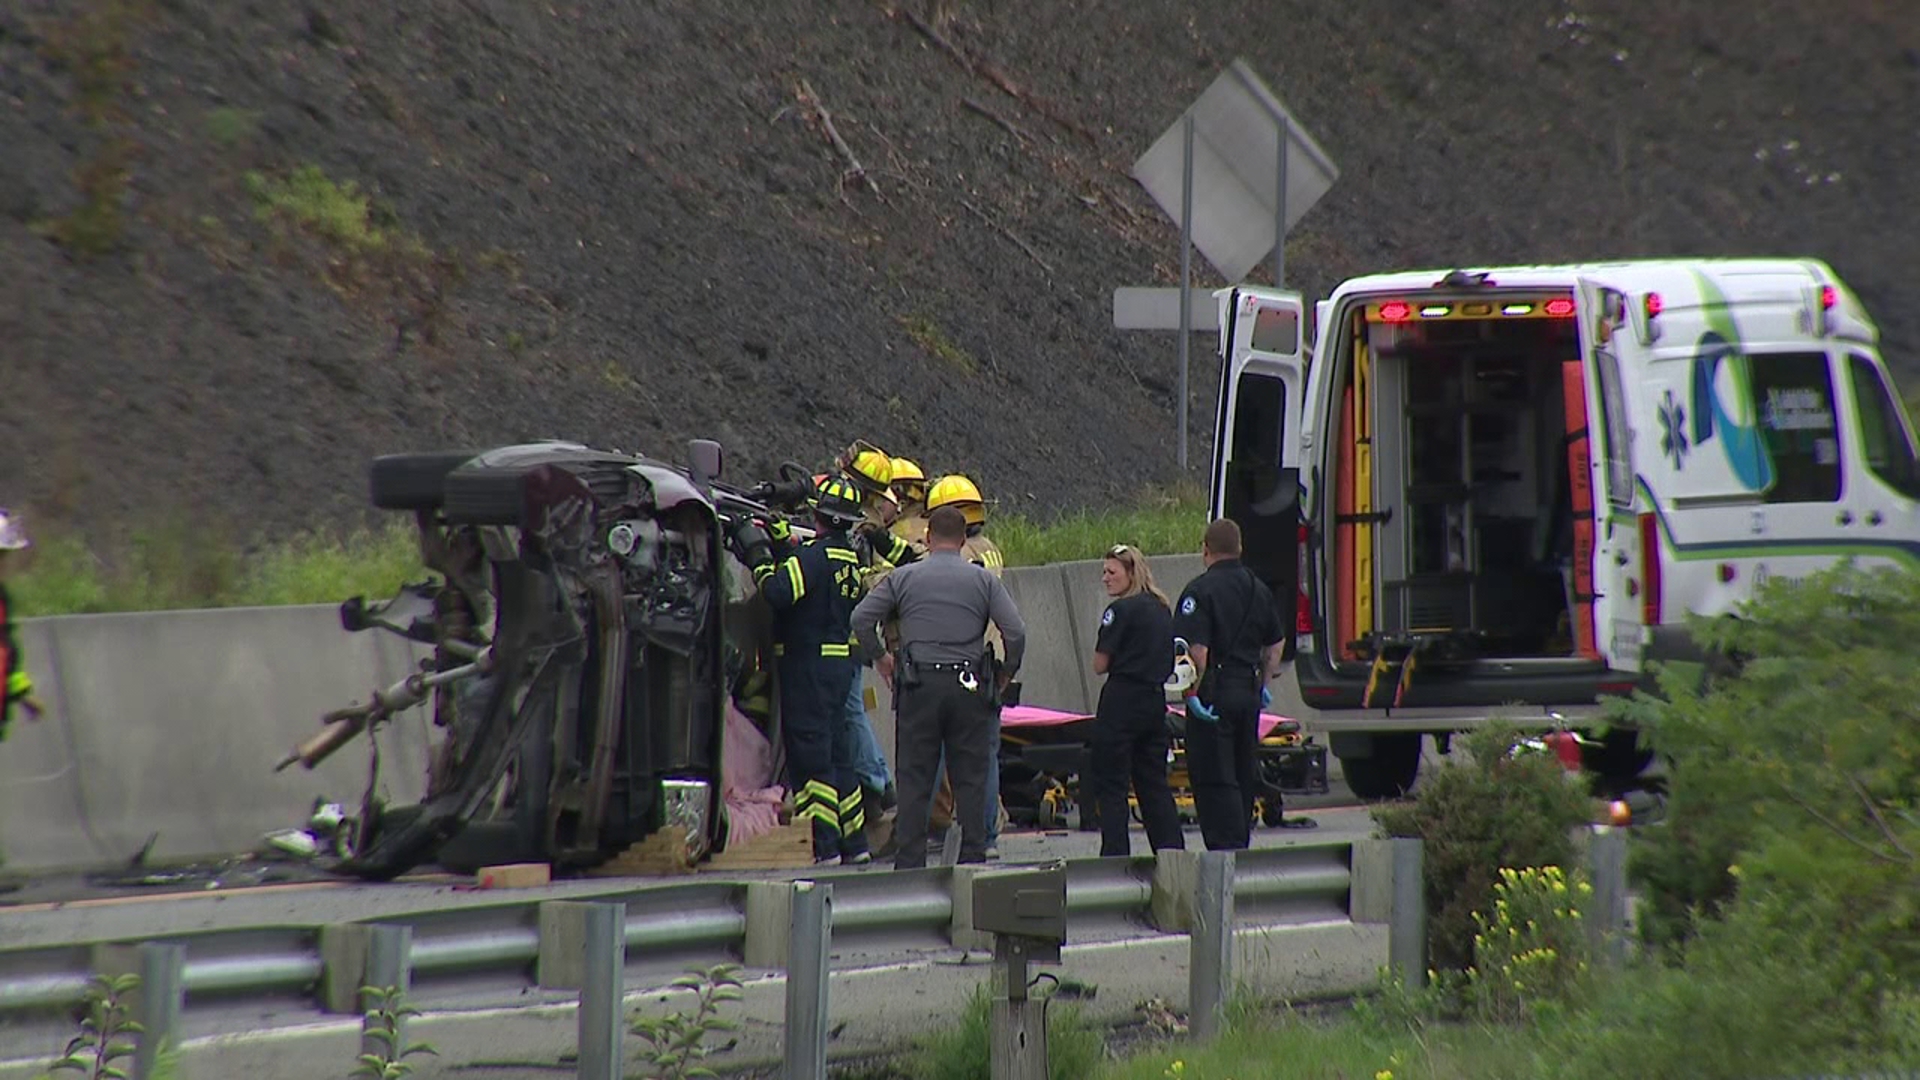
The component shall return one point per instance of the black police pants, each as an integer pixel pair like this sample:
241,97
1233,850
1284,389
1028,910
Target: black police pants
1130,744
813,703
1221,767
940,714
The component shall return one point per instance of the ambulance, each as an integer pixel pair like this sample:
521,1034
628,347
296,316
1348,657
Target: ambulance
1500,491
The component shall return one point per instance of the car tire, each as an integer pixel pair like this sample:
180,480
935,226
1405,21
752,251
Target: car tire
412,481
1391,770
485,496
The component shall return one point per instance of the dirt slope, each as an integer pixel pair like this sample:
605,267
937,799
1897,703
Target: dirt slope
617,220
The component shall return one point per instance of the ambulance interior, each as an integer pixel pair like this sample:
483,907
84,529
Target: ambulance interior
1456,509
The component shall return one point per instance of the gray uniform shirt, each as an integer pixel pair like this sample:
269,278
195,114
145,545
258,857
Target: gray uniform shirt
943,602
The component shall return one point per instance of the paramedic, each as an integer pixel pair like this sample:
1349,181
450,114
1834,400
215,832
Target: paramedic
812,593
1234,637
949,692
1134,650
16,687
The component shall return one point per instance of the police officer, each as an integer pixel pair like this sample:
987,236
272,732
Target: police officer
812,593
1134,650
1234,637
948,693
963,494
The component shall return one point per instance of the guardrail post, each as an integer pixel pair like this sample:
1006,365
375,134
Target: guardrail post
1607,921
1210,963
161,964
961,931
388,966
1171,899
769,924
1407,925
812,934
602,990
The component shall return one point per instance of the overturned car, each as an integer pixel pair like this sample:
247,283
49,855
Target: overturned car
589,627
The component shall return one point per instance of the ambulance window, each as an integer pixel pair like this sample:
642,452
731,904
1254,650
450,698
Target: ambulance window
1882,431
1259,419
1276,330
1793,399
1613,416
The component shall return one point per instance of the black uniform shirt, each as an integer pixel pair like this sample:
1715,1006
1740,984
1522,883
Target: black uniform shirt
1136,633
1229,612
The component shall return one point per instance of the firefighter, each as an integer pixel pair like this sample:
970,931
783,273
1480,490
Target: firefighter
964,495
812,592
910,491
16,686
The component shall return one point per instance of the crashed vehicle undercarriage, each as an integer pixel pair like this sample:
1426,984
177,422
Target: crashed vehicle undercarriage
589,627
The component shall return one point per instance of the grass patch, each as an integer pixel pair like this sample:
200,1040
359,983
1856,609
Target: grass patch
927,334
230,127
181,566
1074,1047
337,212
177,567
1295,1047
1168,524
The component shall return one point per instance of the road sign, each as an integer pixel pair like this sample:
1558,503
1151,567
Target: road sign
1237,171
1159,309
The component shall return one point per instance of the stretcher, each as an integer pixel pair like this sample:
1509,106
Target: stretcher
1044,754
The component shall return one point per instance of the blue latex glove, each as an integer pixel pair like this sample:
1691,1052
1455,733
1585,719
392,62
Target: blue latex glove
1266,697
1194,708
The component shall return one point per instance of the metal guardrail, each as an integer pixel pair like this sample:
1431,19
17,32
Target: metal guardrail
670,927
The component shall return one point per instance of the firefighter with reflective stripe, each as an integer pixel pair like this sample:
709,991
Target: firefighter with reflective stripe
812,593
871,471
16,686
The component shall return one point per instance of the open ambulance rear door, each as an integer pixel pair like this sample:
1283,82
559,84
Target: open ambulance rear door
1616,558
1257,454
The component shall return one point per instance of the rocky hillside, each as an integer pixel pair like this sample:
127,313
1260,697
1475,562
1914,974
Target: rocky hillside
245,246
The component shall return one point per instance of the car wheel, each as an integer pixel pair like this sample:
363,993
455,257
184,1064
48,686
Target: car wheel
1390,772
412,481
485,496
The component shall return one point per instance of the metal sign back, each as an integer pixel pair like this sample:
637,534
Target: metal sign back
1236,171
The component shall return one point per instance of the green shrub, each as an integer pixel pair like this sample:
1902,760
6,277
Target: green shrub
1074,1048
1494,810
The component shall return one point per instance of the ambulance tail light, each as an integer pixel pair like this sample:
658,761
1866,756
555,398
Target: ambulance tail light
1649,570
1560,307
1303,607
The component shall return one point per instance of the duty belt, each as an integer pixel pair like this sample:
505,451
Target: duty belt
827,648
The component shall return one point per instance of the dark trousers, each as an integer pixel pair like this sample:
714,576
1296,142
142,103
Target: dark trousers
941,715
1130,744
1220,763
813,704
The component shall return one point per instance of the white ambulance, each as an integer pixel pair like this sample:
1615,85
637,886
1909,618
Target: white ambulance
1499,491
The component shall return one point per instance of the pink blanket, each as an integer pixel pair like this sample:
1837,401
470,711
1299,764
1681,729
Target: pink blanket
751,797
1035,716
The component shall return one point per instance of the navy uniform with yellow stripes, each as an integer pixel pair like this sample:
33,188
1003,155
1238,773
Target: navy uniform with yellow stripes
812,593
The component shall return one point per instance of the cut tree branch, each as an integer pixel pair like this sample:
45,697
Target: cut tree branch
1008,125
1866,798
855,170
1008,233
1836,828
938,39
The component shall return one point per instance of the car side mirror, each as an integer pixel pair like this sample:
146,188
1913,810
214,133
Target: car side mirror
704,461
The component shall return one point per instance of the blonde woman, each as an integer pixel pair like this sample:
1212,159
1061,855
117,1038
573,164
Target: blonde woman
1134,651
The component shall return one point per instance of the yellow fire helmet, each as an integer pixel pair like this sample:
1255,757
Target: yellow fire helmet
958,491
869,466
909,482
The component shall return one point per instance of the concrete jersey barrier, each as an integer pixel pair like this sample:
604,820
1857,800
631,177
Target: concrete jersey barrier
170,722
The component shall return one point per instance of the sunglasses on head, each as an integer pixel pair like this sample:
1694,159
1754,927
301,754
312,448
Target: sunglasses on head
1119,551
